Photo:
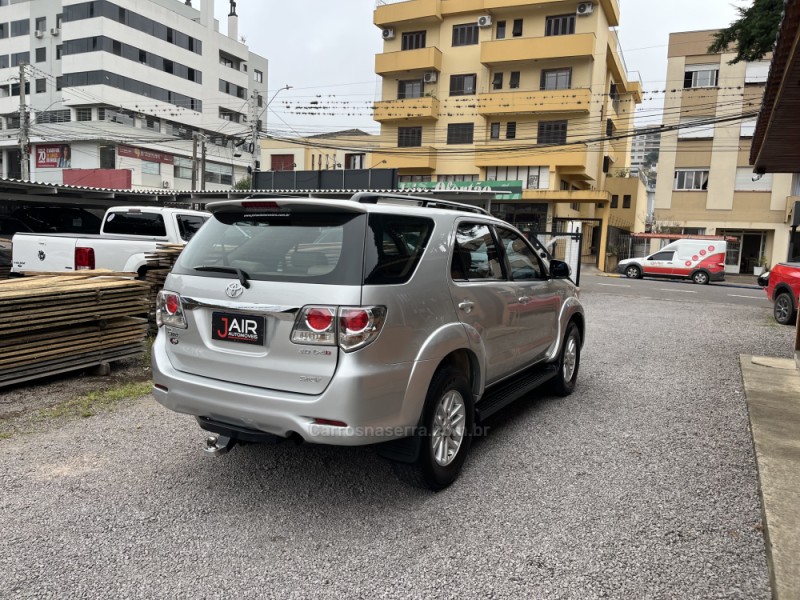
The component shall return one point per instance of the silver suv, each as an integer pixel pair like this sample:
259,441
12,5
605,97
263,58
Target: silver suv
388,320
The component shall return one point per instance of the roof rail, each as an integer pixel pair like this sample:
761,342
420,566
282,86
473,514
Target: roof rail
373,198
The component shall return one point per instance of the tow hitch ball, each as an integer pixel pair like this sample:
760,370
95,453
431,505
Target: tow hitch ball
216,445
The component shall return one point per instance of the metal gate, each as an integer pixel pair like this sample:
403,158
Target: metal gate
590,229
565,246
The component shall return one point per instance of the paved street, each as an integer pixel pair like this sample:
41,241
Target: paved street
642,484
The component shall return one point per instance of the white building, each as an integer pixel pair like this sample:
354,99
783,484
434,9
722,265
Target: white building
117,88
644,142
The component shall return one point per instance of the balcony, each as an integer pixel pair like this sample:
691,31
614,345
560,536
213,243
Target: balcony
539,48
421,158
397,13
610,7
422,59
541,101
557,157
389,111
564,197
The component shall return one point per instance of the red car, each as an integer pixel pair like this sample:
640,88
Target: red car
783,289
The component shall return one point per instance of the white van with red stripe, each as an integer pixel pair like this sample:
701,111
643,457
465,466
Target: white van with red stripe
701,261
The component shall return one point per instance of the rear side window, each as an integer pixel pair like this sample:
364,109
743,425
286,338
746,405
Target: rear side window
475,255
188,225
129,223
394,247
279,245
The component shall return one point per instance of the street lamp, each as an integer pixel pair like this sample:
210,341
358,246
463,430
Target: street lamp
256,148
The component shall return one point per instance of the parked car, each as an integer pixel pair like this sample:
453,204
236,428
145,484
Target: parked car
783,289
8,227
127,235
58,219
421,321
701,261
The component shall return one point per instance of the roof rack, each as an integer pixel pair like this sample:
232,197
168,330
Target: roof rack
373,198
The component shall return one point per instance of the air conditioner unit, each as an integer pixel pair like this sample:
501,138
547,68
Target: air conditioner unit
585,8
430,77
55,31
38,33
165,184
388,33
485,21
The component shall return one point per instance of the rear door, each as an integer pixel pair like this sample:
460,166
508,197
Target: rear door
661,263
240,322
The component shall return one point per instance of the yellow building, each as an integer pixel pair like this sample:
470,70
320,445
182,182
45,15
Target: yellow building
705,184
508,91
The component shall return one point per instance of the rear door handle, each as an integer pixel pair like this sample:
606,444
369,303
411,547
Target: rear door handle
466,306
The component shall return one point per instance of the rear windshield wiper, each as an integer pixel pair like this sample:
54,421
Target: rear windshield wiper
243,277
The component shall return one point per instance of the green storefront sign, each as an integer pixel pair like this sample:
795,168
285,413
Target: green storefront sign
514,187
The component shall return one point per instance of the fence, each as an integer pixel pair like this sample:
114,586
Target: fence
564,246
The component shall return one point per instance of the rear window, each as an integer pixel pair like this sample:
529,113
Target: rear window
394,248
279,245
130,223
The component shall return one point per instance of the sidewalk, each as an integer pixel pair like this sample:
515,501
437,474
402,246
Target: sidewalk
772,388
738,281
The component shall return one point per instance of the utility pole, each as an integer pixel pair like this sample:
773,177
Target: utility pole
23,126
255,147
194,161
201,166
203,163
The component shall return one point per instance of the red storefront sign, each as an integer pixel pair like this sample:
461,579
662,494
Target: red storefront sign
53,156
143,154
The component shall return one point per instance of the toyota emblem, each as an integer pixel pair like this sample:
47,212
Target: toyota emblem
234,290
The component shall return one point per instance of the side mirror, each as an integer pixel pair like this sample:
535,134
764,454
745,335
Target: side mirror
559,269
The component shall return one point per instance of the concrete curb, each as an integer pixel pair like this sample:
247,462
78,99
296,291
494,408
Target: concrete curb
746,286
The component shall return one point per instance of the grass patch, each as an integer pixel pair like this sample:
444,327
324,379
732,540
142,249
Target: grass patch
94,402
5,436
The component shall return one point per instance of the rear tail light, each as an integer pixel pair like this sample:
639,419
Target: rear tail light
84,259
352,327
169,310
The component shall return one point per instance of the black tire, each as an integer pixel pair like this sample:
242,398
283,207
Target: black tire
701,278
784,310
633,272
569,362
427,471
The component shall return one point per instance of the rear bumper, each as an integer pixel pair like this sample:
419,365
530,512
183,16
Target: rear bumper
719,276
370,400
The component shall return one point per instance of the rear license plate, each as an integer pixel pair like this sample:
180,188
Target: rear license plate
243,329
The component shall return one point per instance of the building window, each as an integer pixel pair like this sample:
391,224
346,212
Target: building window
460,133
41,55
465,35
747,181
626,201
22,27
494,131
3,30
232,89
454,178
83,114
614,201
41,24
409,137
513,81
497,81
689,131
701,76
500,31
556,79
748,128
58,51
108,157
411,88
15,88
53,116
576,206
20,58
141,88
413,40
691,179
561,25
152,124
517,29
552,132
41,85
258,76
151,168
511,130
757,72
463,85
3,64
413,178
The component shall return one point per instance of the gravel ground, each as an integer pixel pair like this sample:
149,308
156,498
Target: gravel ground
642,484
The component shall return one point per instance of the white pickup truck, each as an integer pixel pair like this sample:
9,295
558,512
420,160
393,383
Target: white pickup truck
126,235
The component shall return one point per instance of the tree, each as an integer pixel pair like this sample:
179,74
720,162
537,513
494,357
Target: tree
243,184
754,33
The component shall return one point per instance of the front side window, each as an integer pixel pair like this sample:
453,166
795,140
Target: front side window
561,25
460,133
409,137
522,261
556,79
552,132
465,35
410,88
691,179
463,85
475,256
667,255
413,40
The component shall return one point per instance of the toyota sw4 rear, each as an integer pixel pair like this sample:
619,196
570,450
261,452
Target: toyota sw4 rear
374,320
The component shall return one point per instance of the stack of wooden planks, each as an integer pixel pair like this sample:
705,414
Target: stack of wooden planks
159,264
60,323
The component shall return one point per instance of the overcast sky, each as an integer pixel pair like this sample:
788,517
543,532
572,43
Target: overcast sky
325,49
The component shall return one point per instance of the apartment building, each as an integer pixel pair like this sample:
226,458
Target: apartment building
533,94
117,92
706,184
